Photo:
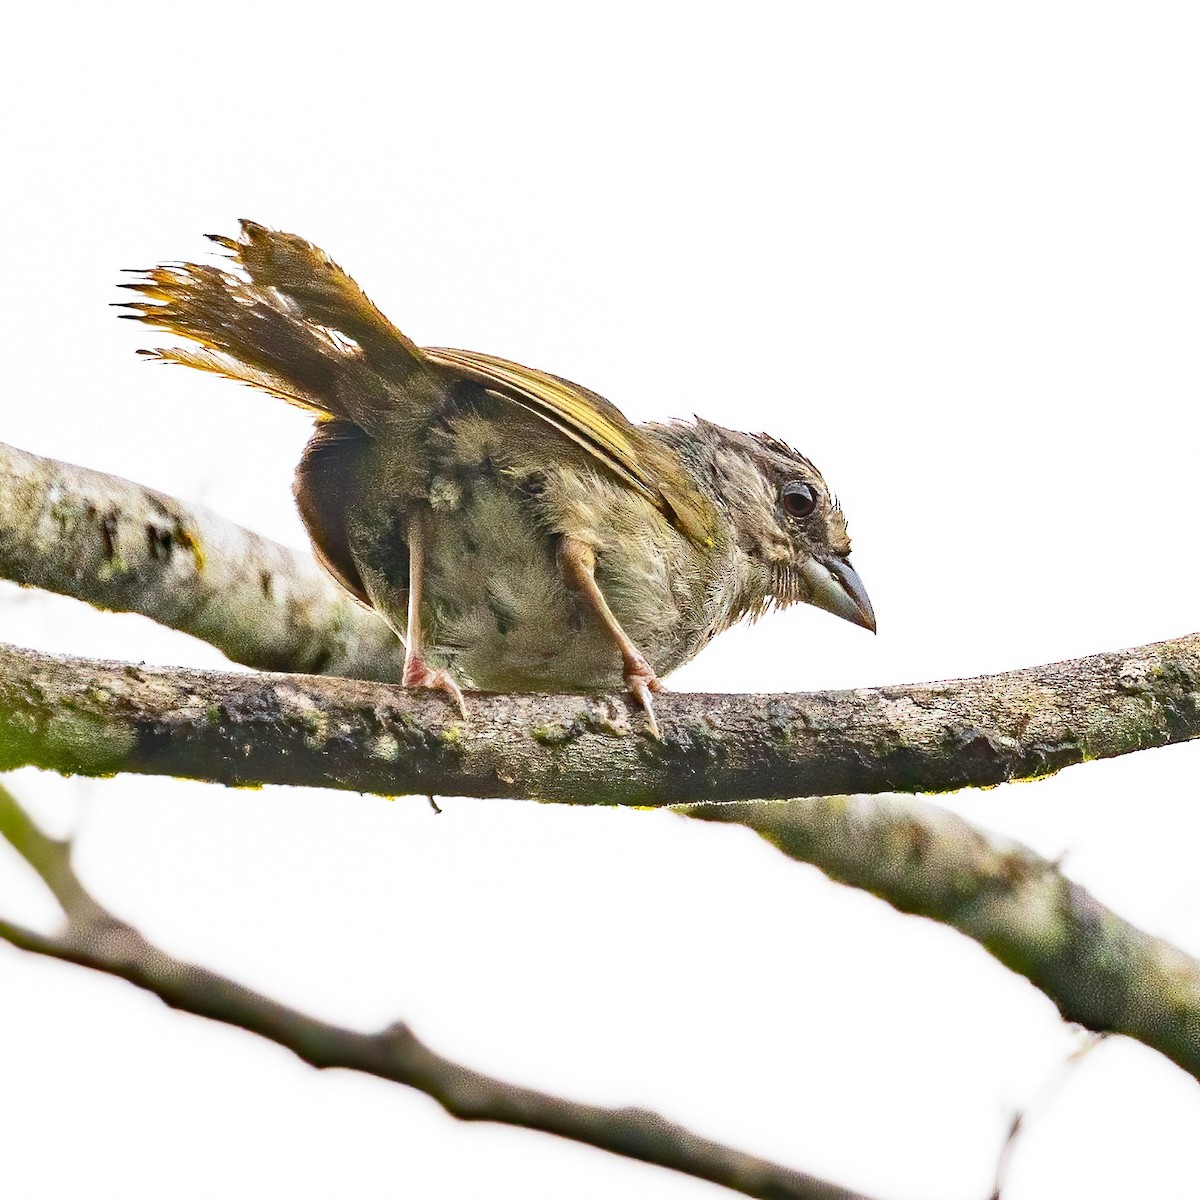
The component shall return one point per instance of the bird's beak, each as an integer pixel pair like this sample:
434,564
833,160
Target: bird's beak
836,587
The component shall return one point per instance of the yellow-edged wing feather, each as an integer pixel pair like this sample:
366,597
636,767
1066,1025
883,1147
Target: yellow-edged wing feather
287,319
598,427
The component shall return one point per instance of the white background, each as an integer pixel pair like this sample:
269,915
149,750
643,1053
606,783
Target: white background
950,250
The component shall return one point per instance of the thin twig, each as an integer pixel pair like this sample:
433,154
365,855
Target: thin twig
95,938
1020,1121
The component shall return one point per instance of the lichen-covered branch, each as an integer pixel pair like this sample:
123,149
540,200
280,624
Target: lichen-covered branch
120,546
1102,972
84,717
94,937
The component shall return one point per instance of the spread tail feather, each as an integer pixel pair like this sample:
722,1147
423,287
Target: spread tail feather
285,318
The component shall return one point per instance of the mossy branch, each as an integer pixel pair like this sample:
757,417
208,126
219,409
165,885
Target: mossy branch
79,716
118,545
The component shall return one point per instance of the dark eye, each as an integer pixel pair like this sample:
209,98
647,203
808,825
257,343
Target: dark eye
798,498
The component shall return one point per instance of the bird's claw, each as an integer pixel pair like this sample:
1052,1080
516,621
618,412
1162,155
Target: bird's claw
418,674
641,680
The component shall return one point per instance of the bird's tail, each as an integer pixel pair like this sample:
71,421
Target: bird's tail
283,316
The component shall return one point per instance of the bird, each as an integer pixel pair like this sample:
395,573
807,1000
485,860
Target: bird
515,529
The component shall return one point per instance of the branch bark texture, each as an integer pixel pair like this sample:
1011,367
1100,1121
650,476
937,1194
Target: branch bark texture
120,546
84,717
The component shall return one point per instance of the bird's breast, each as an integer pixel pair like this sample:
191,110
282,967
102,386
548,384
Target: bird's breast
497,610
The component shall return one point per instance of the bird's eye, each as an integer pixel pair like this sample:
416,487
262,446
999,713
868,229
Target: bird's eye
798,498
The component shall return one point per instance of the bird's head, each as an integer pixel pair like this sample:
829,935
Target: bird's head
788,522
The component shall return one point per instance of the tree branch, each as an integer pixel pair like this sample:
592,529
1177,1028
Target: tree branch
120,546
1100,971
95,938
79,716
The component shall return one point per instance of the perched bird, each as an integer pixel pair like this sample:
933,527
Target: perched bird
515,529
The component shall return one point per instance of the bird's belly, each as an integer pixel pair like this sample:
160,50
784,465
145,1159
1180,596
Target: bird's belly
497,613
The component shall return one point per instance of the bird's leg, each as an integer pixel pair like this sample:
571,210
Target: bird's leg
418,673
578,562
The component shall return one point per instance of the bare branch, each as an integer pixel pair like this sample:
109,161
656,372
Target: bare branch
117,545
95,938
79,716
83,717
1100,971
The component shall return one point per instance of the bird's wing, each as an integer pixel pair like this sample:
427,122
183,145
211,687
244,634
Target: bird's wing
598,427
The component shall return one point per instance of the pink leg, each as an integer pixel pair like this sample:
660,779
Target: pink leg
578,562
417,673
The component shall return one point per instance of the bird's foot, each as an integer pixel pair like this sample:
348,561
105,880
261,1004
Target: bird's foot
641,680
419,674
